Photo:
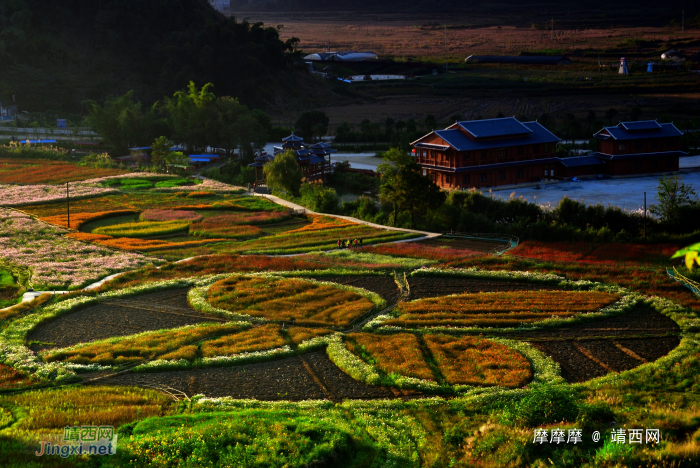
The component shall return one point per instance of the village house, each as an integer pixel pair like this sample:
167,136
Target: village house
487,153
311,159
635,148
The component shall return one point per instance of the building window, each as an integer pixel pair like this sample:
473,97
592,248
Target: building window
484,154
448,179
653,164
536,149
501,154
654,143
637,145
638,165
521,150
425,172
465,179
521,173
622,146
483,177
501,175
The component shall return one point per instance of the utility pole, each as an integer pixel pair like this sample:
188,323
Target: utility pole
552,39
645,216
68,204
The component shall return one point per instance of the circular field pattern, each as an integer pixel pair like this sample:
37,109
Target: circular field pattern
157,339
289,300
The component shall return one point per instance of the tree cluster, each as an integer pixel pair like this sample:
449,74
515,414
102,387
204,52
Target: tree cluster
195,118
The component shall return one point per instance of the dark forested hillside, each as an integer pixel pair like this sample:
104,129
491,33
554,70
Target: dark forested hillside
54,55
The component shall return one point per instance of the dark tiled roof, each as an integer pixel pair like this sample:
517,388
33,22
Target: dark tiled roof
293,138
619,133
491,128
642,125
459,141
577,161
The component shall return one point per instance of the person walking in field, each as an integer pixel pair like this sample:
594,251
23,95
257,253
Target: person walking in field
338,243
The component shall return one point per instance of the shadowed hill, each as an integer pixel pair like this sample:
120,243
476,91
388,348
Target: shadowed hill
57,54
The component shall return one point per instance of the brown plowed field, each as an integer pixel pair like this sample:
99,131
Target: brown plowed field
434,286
385,286
616,344
119,317
283,379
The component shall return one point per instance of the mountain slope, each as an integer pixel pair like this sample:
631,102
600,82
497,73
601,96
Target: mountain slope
57,54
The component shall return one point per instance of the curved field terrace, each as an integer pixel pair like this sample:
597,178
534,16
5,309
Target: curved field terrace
119,317
306,377
423,287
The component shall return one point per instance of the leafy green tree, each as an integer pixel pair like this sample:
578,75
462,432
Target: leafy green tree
192,112
610,114
283,173
312,123
123,123
673,196
160,150
405,188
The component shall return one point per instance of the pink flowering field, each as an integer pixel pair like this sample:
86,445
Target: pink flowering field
58,262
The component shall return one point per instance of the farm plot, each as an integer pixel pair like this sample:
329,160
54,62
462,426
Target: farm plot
119,317
307,377
589,350
56,261
441,252
167,344
503,309
394,354
34,171
475,361
383,285
425,287
295,300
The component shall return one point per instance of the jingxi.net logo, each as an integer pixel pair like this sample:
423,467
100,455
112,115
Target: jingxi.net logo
80,440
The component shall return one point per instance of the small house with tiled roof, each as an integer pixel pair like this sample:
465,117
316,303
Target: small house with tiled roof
311,159
487,153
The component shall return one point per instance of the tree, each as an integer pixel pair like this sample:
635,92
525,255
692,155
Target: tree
403,185
610,114
673,195
192,113
312,123
123,123
283,173
160,150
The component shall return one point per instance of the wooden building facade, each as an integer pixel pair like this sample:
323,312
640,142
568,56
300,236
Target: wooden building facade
634,148
487,153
